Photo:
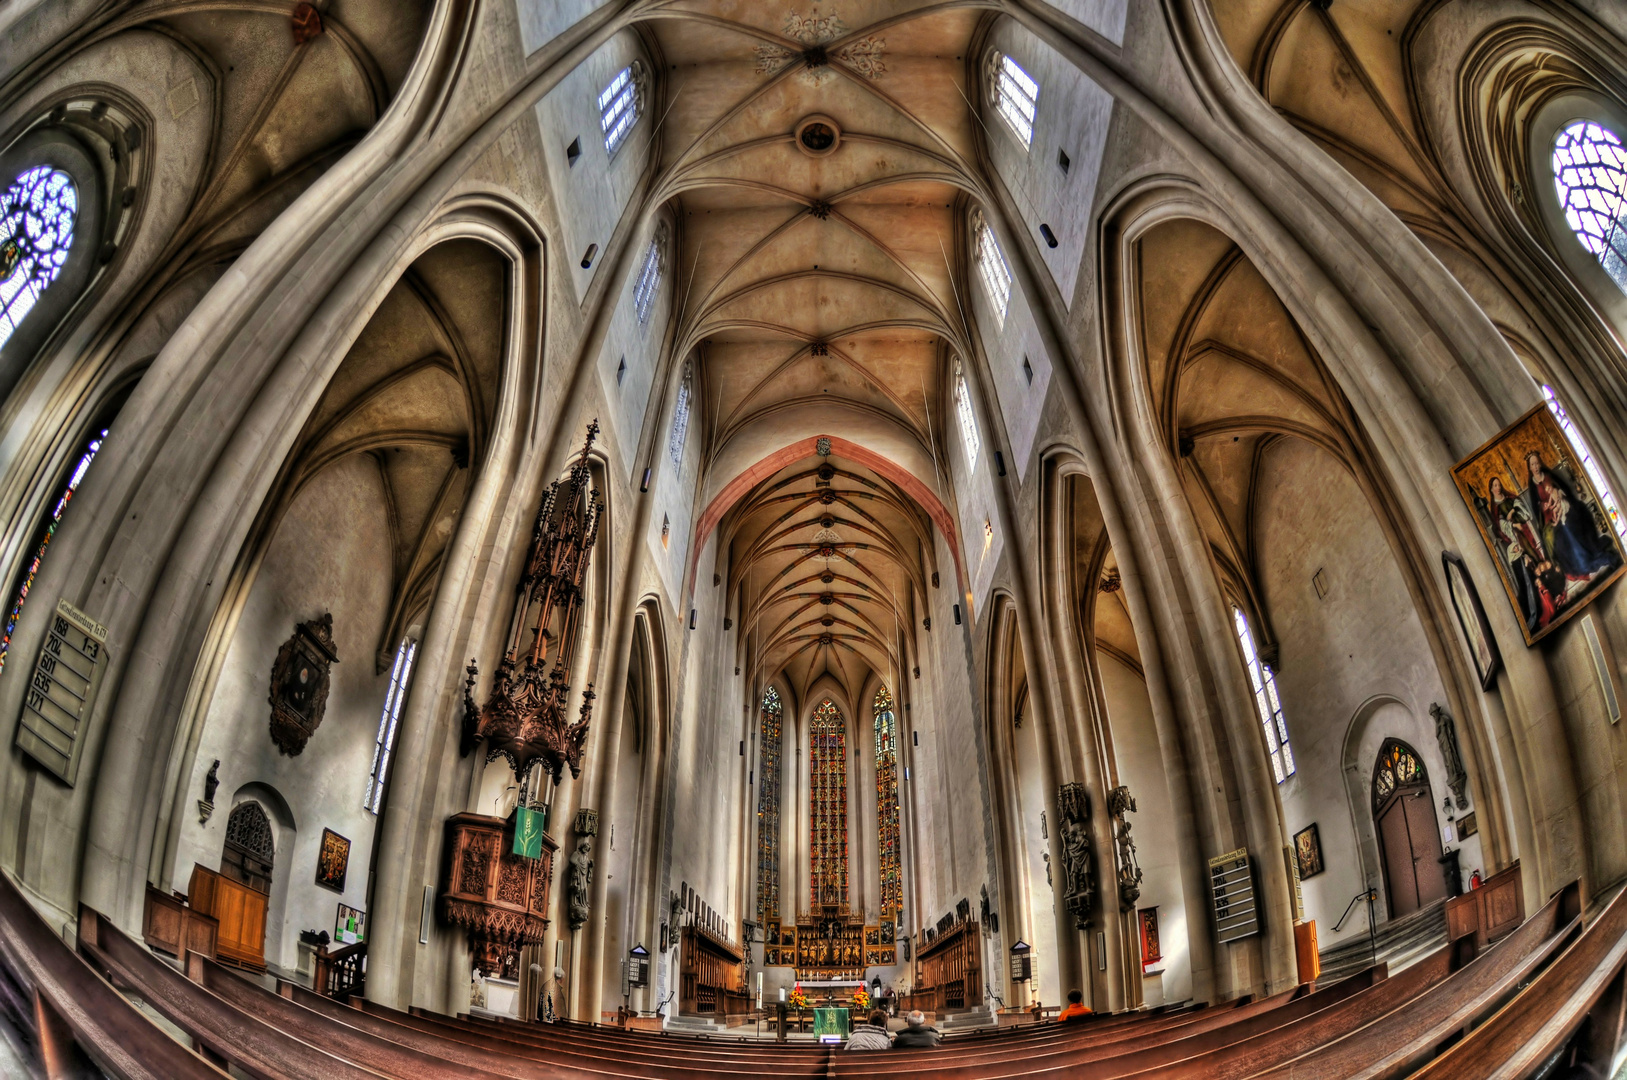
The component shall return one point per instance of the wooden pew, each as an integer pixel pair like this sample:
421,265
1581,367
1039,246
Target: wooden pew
73,1006
1542,1018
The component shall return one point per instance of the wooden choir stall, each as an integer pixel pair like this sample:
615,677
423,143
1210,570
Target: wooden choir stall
947,971
714,975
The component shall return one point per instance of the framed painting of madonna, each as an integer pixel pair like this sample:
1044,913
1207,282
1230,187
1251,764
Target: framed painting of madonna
1540,516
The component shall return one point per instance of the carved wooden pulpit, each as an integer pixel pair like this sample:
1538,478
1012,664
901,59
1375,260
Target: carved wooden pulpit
498,898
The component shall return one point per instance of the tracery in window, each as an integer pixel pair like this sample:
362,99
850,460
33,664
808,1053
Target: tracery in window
827,844
250,848
1266,701
1589,463
389,721
992,268
1015,95
32,569
620,106
1398,767
892,882
649,276
1590,178
37,215
680,422
968,422
768,810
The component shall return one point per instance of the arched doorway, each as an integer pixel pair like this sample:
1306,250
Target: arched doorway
1409,843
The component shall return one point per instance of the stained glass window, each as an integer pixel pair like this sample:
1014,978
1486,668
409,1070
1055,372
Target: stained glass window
992,268
968,422
680,423
1590,178
768,811
389,721
37,215
1589,463
892,881
620,105
33,567
1398,767
827,847
1015,94
1264,684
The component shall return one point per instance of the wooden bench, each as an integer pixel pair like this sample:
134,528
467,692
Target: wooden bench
76,1012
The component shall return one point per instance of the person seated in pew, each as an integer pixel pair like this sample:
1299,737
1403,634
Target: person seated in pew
1076,1010
871,1036
917,1035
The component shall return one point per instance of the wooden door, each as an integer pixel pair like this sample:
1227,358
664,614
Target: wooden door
1408,839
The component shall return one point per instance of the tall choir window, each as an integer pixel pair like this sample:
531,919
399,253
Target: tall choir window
1015,95
768,811
620,106
827,846
968,422
992,268
649,277
33,568
1594,473
892,882
1590,178
384,748
680,422
1266,701
37,215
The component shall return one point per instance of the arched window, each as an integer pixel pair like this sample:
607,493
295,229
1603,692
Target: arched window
680,421
992,268
827,793
389,721
620,106
37,216
1015,95
32,570
1397,768
1266,701
250,848
1590,178
892,882
768,811
649,276
968,422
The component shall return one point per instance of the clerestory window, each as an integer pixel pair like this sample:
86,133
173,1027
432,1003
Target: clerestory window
968,422
389,722
1590,178
37,216
1015,95
1266,701
992,268
620,105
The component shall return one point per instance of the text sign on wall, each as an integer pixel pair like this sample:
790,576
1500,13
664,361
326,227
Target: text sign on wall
62,691
1232,883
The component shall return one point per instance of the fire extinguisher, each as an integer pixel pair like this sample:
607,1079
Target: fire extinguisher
1474,879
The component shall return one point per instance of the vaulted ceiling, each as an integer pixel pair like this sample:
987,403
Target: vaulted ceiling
816,155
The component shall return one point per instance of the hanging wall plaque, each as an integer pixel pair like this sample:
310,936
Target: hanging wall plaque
299,684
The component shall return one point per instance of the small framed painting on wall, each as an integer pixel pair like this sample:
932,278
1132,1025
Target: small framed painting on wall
332,860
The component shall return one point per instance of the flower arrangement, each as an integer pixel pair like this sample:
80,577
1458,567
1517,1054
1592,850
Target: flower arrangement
798,999
861,1000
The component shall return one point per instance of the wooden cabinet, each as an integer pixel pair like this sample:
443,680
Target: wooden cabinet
948,973
239,912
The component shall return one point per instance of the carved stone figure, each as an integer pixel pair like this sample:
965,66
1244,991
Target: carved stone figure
1079,882
1446,734
1119,803
581,883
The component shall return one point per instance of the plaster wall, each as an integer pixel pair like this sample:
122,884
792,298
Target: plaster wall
1359,645
331,552
637,345
543,20
1141,768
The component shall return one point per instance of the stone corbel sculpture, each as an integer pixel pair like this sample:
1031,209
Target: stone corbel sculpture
1079,882
1446,734
1119,803
581,860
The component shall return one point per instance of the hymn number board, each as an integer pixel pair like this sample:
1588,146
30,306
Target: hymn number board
62,691
1232,881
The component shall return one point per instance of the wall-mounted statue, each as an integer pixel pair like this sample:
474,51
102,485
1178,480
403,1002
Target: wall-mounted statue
1079,883
299,684
1119,803
581,883
1446,734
